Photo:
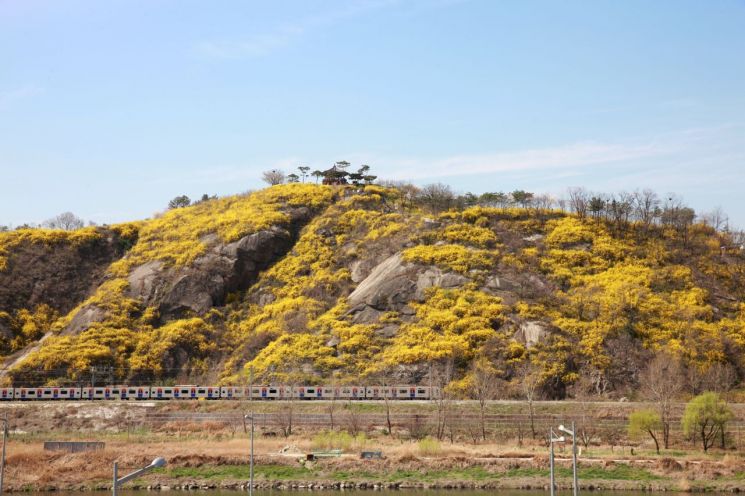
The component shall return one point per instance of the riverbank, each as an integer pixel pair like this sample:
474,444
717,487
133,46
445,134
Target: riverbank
199,464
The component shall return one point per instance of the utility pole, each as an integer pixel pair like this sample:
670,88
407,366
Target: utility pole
573,433
251,459
2,460
551,441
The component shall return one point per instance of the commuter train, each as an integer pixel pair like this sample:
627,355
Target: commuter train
190,392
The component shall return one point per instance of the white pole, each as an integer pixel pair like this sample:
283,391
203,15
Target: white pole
551,458
251,463
116,479
575,492
2,461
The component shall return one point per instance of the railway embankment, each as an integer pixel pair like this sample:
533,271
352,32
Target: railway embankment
206,446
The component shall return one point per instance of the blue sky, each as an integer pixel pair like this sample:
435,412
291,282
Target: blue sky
109,109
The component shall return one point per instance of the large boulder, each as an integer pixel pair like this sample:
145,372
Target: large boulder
393,284
83,319
532,332
225,268
389,286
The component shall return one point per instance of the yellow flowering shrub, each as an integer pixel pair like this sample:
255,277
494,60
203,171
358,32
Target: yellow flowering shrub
450,323
177,237
470,235
49,237
568,231
451,257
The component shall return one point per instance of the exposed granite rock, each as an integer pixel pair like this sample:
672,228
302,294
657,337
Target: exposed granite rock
84,318
532,332
177,291
392,284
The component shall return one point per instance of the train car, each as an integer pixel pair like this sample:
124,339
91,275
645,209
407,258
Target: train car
309,392
328,393
421,393
234,393
380,392
7,394
161,393
33,393
138,392
196,392
350,392
66,393
92,393
405,392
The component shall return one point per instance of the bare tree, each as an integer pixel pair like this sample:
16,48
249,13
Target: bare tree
67,221
353,419
486,386
661,382
273,177
646,206
716,219
676,214
578,201
543,202
620,207
436,197
589,385
718,377
440,375
530,379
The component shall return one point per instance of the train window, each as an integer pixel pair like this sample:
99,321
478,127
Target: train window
420,391
272,391
310,391
47,393
167,391
99,391
200,391
402,391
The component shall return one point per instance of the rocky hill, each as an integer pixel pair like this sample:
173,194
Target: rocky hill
311,283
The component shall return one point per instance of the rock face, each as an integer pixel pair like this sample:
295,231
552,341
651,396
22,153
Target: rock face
84,318
176,291
392,284
389,286
532,332
59,275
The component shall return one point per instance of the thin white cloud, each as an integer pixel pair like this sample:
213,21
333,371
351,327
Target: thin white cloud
8,97
262,44
570,156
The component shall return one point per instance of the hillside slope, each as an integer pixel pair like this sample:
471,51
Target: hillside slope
317,283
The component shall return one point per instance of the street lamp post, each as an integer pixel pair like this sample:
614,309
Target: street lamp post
157,463
575,485
551,441
251,459
2,460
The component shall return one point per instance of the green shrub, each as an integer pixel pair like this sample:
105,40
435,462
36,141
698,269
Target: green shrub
429,447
